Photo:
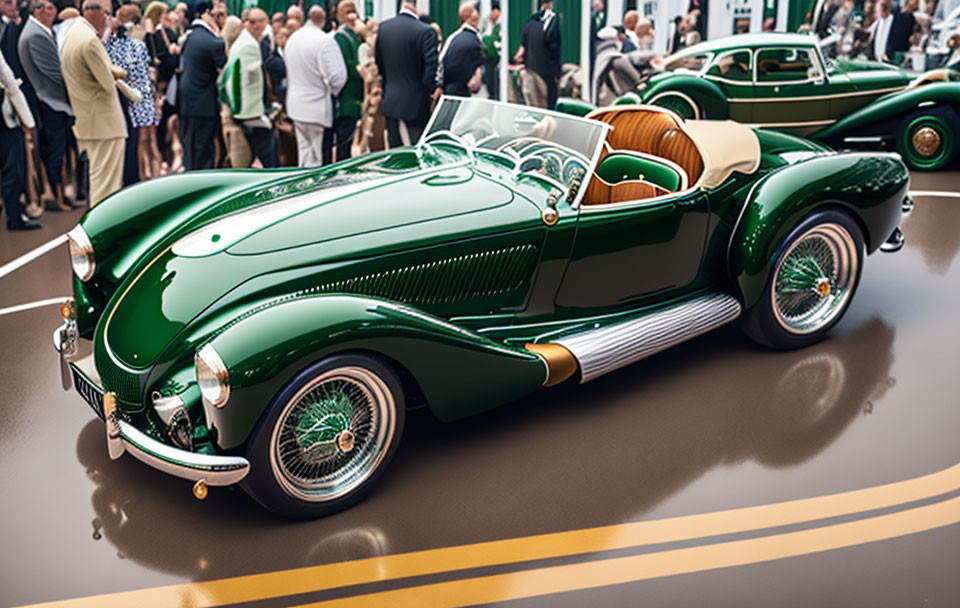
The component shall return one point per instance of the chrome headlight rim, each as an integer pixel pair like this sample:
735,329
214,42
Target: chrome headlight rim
213,378
81,253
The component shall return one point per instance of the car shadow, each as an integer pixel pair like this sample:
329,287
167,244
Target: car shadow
568,457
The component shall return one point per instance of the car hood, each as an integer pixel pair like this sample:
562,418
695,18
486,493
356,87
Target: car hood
869,75
298,242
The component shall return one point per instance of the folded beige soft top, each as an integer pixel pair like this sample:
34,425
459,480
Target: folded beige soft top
725,146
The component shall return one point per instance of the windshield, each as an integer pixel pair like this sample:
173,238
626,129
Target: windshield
551,145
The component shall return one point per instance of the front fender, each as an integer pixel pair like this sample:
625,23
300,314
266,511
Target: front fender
707,95
458,371
892,106
870,187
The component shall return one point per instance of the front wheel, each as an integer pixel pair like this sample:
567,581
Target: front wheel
326,437
812,281
927,143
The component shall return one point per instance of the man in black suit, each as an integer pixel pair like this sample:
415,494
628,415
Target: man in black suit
461,60
540,46
202,56
891,32
406,55
13,150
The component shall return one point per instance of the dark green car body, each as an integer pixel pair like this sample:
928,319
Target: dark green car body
437,259
783,82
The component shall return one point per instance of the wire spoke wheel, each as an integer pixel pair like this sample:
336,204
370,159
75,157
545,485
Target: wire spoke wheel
815,278
333,434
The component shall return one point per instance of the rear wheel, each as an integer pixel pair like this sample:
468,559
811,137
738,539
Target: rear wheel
679,103
813,279
326,437
927,143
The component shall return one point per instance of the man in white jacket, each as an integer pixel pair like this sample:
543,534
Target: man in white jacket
251,115
316,73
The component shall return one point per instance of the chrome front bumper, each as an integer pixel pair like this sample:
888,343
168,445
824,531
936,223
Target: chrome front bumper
210,469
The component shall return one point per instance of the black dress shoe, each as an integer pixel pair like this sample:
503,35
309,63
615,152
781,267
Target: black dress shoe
27,225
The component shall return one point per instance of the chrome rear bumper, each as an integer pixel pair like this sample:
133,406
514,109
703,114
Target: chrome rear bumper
212,470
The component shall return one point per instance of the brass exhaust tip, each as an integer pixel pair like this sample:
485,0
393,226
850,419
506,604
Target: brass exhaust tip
200,489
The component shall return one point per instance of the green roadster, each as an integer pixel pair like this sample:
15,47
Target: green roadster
272,327
782,81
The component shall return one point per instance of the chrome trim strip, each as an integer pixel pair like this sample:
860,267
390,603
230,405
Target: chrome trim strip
814,97
781,125
862,140
604,350
212,469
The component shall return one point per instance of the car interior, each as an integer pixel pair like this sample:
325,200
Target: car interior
647,131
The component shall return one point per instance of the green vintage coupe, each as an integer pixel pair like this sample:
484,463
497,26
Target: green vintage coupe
273,327
782,81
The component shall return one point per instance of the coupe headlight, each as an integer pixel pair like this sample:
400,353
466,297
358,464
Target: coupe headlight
212,377
81,253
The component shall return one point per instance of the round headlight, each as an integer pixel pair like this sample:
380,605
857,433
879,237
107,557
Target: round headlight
212,377
81,253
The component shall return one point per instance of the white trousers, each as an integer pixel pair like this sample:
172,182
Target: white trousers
309,143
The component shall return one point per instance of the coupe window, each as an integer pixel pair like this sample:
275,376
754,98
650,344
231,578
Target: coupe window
732,66
558,148
785,65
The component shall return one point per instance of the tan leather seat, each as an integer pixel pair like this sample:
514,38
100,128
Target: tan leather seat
651,132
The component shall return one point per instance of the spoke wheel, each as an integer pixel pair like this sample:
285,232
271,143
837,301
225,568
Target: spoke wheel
814,278
327,437
332,434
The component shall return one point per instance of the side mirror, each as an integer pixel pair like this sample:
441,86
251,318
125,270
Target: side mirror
625,167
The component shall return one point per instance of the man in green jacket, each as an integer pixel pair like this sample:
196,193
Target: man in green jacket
350,99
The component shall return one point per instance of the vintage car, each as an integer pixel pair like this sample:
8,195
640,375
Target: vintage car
273,327
783,82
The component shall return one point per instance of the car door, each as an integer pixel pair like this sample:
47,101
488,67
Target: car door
732,72
790,89
626,253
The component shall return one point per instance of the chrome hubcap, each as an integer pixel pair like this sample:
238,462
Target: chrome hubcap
814,279
333,434
926,141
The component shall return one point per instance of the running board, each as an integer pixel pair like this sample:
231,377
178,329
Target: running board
599,351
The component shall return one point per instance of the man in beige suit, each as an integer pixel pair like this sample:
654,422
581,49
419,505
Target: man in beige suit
89,76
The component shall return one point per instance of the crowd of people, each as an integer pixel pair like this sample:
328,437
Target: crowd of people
99,94
881,30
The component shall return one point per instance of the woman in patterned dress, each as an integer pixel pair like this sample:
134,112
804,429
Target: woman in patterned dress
127,50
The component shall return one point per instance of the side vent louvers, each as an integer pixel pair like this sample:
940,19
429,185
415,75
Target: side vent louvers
446,281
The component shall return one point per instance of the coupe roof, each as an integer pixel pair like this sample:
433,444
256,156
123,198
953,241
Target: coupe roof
744,41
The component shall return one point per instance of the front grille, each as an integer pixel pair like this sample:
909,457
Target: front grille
90,392
123,383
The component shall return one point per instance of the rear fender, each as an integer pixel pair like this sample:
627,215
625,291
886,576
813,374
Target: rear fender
458,371
869,187
892,106
707,95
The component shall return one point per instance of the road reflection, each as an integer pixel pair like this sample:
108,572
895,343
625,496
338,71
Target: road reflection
571,457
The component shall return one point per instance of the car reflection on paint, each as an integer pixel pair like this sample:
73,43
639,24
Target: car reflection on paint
799,404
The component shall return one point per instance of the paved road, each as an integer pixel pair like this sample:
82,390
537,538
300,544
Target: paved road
713,425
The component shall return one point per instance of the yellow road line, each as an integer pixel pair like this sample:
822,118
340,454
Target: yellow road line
603,573
318,578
